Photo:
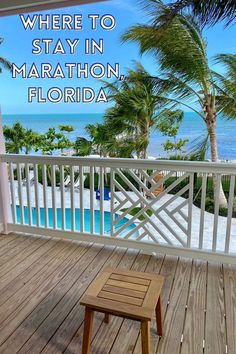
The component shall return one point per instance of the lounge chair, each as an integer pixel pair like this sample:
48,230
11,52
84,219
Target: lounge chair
106,194
159,177
76,183
67,181
31,179
161,188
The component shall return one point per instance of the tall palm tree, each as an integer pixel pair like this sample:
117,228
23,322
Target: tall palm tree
208,11
137,111
180,49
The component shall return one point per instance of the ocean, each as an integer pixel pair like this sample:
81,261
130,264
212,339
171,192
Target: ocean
191,128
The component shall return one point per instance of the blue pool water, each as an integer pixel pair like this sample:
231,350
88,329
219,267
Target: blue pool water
87,217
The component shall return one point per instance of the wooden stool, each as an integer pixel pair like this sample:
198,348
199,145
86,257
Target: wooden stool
128,294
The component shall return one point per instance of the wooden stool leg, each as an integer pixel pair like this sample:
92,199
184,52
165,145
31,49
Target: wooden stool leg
107,318
159,317
88,324
145,337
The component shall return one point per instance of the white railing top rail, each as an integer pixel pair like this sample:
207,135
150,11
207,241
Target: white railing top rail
187,166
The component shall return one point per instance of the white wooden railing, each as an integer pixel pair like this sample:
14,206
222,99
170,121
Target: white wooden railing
56,196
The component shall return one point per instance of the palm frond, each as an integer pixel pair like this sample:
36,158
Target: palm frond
209,12
229,63
178,44
199,148
5,64
225,85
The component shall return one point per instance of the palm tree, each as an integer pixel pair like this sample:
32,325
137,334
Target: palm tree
53,140
4,63
83,146
208,11
31,140
63,143
138,110
100,138
66,129
14,137
180,49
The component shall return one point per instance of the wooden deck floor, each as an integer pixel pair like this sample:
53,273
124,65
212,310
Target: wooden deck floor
42,281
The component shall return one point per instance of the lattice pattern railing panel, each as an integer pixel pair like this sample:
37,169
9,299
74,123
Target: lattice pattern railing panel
156,204
178,204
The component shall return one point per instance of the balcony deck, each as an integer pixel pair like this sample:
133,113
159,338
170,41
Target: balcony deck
42,281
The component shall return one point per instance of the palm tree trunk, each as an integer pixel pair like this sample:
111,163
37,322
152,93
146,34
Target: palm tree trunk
213,143
49,174
144,155
215,158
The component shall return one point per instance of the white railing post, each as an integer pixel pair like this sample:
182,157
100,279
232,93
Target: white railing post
5,205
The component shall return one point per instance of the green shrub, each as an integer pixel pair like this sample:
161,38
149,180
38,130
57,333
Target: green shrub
209,204
223,212
135,211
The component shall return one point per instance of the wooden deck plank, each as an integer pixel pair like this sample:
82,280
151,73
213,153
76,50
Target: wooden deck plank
38,268
25,331
230,305
194,334
64,305
14,261
175,315
15,247
168,270
23,294
124,343
75,343
38,257
49,280
67,329
6,240
215,341
106,256
40,287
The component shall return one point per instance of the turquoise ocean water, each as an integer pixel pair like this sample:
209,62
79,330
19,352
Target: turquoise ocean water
191,128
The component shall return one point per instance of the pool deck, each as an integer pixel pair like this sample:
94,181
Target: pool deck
42,281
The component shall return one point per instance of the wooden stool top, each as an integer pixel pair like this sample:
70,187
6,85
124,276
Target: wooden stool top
124,293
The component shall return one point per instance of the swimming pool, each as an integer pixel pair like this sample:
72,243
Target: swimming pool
87,217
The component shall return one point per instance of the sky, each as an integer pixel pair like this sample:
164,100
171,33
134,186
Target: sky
17,47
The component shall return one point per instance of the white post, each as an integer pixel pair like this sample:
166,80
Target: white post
5,205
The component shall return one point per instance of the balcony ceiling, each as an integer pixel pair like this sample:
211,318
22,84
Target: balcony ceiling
20,6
